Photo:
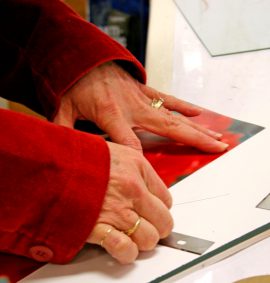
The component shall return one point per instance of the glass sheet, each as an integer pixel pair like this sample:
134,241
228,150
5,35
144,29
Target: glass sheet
229,26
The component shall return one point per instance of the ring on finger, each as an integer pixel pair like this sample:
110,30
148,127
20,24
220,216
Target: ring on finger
157,103
108,231
133,229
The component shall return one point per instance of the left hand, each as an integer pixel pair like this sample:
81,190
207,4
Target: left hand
119,104
135,193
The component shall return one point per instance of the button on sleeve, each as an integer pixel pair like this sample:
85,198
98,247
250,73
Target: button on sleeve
41,253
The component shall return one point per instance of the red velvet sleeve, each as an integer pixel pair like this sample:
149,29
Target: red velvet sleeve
46,48
53,181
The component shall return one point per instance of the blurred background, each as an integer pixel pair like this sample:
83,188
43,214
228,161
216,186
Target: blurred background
124,20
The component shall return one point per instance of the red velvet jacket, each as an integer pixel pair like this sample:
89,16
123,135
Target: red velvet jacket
52,179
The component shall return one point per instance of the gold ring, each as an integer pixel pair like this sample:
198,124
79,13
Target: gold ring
131,230
108,231
157,103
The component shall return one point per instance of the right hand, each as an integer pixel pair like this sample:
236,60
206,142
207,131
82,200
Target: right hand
134,191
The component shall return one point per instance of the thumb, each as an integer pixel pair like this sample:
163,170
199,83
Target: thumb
64,119
65,116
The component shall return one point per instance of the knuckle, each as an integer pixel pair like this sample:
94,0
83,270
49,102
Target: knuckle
133,188
137,193
130,182
124,216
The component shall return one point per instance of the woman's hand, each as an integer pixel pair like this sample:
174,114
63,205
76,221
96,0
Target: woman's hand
118,104
134,192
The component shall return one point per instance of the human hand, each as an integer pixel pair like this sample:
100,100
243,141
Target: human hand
119,104
134,192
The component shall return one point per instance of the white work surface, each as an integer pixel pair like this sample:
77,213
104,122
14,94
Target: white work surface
218,202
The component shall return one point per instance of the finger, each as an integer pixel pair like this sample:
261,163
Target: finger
156,186
165,124
120,132
142,204
174,104
171,102
197,126
185,108
116,243
146,236
154,211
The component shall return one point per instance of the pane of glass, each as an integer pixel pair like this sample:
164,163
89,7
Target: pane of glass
229,26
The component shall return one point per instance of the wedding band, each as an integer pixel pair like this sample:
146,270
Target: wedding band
131,230
157,103
108,231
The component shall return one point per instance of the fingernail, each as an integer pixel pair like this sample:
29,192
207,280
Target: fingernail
223,145
215,134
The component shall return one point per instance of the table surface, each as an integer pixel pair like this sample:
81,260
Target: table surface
241,82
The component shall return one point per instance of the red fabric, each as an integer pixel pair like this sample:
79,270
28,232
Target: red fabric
52,179
15,268
45,47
